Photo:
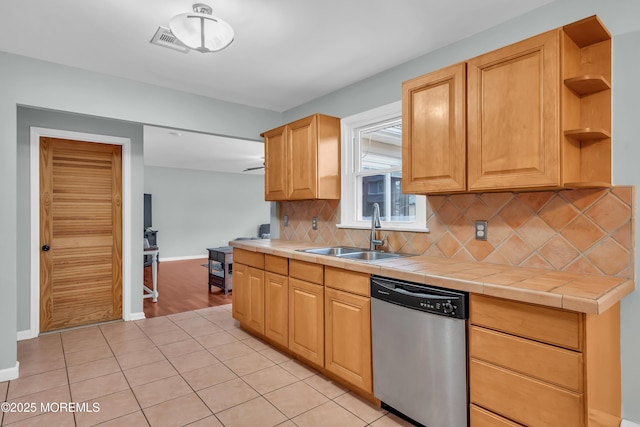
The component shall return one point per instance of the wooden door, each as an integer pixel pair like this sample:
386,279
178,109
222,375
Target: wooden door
240,292
513,123
434,132
306,320
255,312
275,161
80,233
348,337
277,308
302,143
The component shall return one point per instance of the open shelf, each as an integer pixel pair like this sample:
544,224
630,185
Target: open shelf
586,85
587,31
586,134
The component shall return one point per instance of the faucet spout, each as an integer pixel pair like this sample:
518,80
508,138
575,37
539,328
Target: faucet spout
375,223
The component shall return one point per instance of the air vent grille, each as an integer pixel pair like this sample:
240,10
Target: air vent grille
165,38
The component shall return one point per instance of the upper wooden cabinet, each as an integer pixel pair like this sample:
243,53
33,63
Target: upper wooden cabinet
302,159
434,130
538,116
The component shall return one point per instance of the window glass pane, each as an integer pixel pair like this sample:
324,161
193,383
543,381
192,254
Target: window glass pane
403,206
373,191
381,147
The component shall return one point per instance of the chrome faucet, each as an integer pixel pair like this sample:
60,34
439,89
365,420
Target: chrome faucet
375,223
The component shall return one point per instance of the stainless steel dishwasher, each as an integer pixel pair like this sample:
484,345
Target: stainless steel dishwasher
419,346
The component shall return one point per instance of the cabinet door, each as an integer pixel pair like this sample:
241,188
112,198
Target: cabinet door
434,132
302,143
275,164
240,292
277,308
348,337
306,320
513,120
255,290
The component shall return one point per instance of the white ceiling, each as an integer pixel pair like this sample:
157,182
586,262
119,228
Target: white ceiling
189,150
285,52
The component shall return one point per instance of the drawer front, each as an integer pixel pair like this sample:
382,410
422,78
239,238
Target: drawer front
349,281
252,259
553,326
307,271
276,264
523,399
479,417
545,362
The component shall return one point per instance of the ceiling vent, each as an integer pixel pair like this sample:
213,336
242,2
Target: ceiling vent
165,38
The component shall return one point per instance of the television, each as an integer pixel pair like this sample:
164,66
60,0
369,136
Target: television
147,211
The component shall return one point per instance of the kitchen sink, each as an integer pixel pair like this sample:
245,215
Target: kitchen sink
371,256
356,254
332,251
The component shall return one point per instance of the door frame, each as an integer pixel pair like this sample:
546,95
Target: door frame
35,134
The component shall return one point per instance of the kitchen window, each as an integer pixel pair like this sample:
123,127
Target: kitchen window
372,172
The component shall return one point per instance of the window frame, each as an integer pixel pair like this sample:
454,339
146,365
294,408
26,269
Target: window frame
350,208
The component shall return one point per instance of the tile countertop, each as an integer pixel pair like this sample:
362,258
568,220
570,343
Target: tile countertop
585,293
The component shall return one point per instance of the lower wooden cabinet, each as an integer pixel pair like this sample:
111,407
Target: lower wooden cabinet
239,300
306,320
348,337
248,296
539,366
479,417
254,280
276,305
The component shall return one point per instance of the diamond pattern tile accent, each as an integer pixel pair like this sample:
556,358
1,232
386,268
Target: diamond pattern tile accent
582,233
535,200
558,213
515,250
515,213
610,213
587,230
558,252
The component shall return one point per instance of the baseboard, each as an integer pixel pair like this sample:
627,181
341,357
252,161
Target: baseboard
10,373
26,335
136,316
626,423
182,258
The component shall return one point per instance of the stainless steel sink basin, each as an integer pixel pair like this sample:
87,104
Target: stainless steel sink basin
356,254
371,256
332,251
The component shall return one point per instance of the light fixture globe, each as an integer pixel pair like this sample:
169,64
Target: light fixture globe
201,31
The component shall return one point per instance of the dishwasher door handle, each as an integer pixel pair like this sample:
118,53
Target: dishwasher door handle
402,290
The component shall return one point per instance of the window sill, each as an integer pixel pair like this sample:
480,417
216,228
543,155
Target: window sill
398,227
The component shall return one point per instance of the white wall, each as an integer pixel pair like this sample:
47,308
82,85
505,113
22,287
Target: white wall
194,210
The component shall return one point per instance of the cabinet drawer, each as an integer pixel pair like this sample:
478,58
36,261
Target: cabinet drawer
553,326
479,417
523,399
307,271
545,362
350,281
276,264
252,259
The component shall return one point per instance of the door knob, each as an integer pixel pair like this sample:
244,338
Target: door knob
45,248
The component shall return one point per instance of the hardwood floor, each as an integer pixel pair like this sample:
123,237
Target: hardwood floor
182,286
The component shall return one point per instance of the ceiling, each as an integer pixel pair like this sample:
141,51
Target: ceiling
285,52
189,150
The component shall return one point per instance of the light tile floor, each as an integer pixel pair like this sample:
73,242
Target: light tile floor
195,368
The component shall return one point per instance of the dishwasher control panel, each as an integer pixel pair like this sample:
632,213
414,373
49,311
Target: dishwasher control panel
431,299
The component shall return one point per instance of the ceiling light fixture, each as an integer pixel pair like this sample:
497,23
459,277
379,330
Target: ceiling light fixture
200,30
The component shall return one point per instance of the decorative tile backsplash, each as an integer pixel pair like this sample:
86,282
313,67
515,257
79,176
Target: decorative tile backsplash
587,231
